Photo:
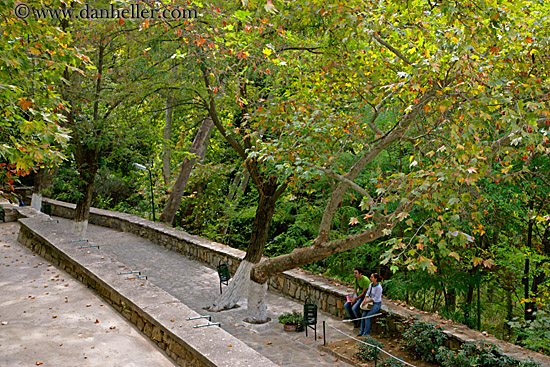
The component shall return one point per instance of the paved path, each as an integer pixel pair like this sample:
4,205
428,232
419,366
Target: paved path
196,285
47,318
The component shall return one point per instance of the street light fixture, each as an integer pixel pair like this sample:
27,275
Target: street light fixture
141,167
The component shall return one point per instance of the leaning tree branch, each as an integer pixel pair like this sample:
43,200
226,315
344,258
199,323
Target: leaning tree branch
392,49
301,256
309,49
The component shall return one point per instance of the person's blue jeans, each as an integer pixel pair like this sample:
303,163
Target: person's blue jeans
365,323
354,311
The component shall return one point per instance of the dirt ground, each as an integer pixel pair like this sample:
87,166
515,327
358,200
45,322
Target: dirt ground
345,350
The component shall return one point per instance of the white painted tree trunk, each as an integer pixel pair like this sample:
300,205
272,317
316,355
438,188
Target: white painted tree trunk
79,229
257,309
36,201
237,287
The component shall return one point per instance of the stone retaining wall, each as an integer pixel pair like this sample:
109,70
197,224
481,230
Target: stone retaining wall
157,314
297,284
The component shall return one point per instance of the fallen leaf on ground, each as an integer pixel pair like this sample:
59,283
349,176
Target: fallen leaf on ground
268,343
96,321
229,345
112,327
39,363
172,320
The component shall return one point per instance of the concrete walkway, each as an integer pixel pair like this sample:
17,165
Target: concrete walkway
196,285
49,319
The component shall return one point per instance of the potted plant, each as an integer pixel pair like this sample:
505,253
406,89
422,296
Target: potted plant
292,321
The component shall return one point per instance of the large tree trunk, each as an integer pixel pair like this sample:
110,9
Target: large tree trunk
87,163
86,155
257,309
198,147
166,142
237,287
42,181
269,193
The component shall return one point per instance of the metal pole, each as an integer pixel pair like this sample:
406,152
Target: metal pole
324,335
152,197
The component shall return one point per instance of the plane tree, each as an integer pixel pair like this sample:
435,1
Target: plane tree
469,91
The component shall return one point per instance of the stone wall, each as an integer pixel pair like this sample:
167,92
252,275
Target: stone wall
297,284
157,314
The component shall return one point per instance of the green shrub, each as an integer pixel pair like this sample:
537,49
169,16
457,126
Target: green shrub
479,354
423,339
366,352
534,335
529,363
449,358
485,354
390,362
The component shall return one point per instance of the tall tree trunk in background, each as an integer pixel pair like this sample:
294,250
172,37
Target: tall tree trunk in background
198,148
239,185
167,136
42,181
468,304
509,312
450,299
197,197
539,277
235,191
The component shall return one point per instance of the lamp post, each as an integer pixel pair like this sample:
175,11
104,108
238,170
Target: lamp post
143,168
